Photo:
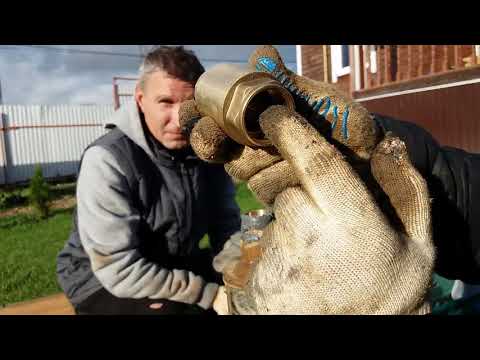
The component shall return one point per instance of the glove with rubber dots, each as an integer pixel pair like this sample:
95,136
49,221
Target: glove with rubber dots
331,249
343,122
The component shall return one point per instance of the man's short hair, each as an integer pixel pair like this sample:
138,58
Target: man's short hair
174,60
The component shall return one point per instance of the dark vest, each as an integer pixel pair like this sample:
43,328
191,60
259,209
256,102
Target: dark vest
172,196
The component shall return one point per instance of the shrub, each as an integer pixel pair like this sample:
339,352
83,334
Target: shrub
39,194
12,199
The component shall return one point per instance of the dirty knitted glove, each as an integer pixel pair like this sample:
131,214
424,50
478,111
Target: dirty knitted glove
207,139
230,254
344,122
212,145
330,249
226,262
220,303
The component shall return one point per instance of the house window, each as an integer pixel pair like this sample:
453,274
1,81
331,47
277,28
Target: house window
345,56
340,58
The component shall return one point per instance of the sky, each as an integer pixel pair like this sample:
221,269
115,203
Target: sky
82,74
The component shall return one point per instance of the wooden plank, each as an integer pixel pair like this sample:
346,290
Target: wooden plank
415,70
50,305
362,67
393,63
402,63
458,63
450,57
378,81
425,60
444,53
381,67
439,59
432,64
421,59
474,55
409,62
388,64
366,71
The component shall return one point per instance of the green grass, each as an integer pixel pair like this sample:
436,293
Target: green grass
29,249
245,200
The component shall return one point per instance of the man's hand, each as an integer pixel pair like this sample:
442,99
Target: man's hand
341,120
230,255
330,249
220,303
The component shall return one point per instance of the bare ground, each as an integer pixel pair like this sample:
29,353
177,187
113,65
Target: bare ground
65,202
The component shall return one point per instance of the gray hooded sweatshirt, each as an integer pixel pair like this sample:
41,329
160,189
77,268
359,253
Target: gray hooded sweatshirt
141,211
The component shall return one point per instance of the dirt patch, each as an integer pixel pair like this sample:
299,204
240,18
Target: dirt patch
50,305
65,202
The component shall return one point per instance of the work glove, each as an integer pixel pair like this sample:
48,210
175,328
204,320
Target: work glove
235,267
220,303
343,122
332,248
231,254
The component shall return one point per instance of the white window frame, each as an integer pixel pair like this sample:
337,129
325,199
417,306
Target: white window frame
336,59
298,50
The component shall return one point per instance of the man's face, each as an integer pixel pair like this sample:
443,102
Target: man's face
160,100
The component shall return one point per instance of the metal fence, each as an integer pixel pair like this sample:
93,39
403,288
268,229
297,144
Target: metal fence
123,90
52,136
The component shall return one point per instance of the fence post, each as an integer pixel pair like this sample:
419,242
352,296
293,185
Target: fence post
116,96
475,54
3,148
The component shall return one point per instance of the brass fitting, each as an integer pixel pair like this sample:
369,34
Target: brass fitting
253,224
234,96
235,280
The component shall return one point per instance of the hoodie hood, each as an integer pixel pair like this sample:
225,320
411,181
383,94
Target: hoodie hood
128,120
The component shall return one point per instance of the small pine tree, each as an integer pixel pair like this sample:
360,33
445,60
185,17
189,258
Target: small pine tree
39,194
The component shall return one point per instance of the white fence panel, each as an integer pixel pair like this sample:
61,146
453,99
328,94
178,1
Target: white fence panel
52,136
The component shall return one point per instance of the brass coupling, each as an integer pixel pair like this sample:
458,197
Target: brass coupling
234,96
237,278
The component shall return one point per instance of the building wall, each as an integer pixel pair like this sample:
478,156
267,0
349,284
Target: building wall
419,60
313,61
343,82
450,114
